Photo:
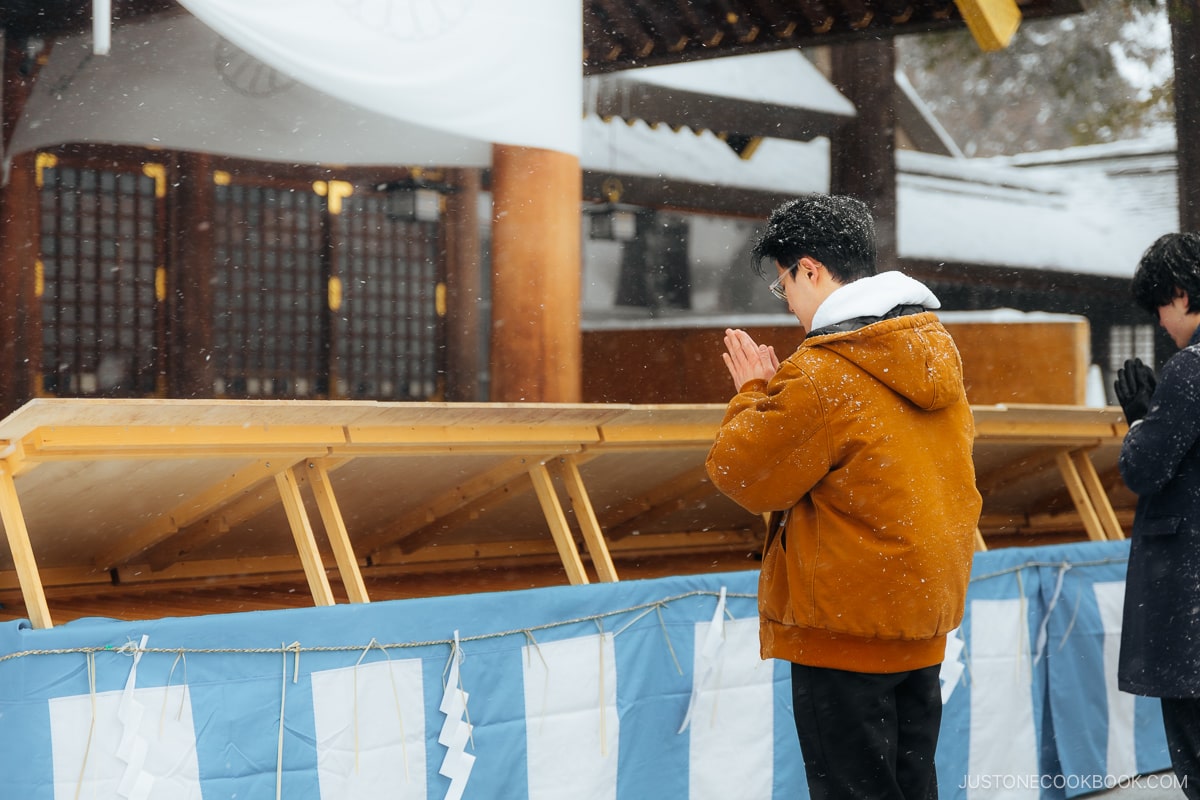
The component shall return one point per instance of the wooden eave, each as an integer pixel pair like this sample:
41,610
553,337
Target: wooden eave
623,34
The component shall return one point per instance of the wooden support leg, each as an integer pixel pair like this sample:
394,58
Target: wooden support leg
543,484
980,545
1079,495
593,536
306,542
1095,491
339,537
22,553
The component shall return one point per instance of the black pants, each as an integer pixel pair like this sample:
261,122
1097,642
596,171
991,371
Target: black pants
1181,718
865,736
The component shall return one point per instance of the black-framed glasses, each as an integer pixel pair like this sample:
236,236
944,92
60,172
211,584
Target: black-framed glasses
776,287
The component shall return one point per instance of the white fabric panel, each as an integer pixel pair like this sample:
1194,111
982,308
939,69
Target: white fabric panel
145,752
1122,754
734,721
571,725
172,82
1003,760
370,728
507,71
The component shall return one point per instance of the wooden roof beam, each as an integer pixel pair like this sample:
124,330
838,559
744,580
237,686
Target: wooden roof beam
624,26
744,26
820,17
667,28
779,16
898,12
858,14
702,32
599,46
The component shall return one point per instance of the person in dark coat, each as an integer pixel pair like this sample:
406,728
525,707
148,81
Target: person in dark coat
1160,462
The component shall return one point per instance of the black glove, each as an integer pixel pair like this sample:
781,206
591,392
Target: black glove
1134,387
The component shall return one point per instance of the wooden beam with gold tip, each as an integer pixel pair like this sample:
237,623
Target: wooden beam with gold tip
992,22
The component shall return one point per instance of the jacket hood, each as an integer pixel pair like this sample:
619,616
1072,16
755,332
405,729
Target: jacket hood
925,368
873,297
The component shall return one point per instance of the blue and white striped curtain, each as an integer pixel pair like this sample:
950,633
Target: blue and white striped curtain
607,691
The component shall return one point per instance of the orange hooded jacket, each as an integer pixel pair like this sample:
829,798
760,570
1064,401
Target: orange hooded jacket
864,438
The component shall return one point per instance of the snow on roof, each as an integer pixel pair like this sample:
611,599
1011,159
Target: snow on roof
961,210
1141,176
635,148
782,77
1072,212
1159,142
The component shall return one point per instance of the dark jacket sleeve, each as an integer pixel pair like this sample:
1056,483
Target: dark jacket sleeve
1155,450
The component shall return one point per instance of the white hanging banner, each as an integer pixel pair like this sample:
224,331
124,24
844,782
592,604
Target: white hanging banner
1003,727
1121,752
101,26
734,710
89,731
369,722
504,71
287,89
572,728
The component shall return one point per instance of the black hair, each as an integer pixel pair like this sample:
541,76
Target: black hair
1168,267
836,230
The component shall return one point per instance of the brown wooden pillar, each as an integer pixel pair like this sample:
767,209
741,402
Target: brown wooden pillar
464,289
1185,44
18,239
190,263
536,265
862,154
